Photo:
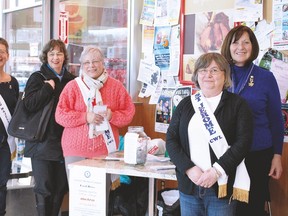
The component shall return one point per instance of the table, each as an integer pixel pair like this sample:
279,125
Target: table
121,168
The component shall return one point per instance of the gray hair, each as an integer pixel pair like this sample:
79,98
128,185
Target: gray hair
90,49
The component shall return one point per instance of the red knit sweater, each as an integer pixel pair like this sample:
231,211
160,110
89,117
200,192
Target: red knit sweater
71,114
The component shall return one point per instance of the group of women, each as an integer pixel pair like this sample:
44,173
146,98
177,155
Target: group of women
71,134
225,140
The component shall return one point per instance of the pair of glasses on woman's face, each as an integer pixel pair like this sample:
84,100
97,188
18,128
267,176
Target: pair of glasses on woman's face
55,54
212,71
88,63
3,52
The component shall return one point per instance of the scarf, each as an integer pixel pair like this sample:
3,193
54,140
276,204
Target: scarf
89,88
216,139
6,117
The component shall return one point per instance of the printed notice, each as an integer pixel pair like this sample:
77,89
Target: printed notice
87,191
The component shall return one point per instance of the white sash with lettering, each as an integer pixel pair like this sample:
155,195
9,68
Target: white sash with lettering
217,141
107,134
6,117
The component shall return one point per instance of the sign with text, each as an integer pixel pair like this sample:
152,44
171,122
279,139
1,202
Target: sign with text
87,191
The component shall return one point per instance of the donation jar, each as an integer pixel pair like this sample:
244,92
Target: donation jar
135,145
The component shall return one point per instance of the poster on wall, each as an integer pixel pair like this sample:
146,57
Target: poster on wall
164,109
196,6
248,10
161,47
148,11
280,12
179,94
168,100
285,119
174,51
147,39
210,30
148,73
203,32
279,69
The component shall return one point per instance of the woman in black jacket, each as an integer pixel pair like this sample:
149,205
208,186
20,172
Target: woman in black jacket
46,156
9,92
208,137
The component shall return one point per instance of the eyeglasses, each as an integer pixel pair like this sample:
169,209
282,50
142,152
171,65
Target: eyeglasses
94,63
213,71
2,52
58,54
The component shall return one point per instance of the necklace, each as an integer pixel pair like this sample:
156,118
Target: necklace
242,84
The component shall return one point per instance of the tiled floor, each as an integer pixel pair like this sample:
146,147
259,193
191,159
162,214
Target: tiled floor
21,202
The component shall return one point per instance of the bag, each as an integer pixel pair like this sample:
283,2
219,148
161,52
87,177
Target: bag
30,126
130,199
167,210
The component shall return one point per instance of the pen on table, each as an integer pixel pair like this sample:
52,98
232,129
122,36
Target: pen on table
111,159
169,168
163,167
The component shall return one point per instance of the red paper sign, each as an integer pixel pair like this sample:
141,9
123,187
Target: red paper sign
63,27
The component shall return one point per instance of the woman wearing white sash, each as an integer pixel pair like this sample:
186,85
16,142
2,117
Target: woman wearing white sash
9,92
92,108
208,140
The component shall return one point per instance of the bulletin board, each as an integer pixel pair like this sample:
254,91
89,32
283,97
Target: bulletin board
197,19
204,25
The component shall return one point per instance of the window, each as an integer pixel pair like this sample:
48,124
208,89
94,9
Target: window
23,31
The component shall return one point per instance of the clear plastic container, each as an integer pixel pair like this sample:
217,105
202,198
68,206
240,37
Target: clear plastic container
141,143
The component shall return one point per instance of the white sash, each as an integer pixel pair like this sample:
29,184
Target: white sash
6,117
108,134
217,141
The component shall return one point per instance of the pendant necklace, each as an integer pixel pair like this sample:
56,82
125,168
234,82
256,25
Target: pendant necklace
251,81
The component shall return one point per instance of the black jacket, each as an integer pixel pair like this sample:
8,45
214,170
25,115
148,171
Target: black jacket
37,95
236,121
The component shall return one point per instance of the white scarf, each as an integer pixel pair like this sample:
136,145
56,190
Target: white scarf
6,117
90,91
217,141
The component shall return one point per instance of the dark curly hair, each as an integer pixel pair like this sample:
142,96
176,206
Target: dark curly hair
51,46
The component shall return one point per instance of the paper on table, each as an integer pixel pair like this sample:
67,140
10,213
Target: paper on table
163,167
151,157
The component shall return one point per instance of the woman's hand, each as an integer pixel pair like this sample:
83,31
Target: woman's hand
208,178
276,167
194,174
51,82
106,114
94,118
98,118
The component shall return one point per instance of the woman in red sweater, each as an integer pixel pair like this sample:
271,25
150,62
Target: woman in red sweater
91,108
